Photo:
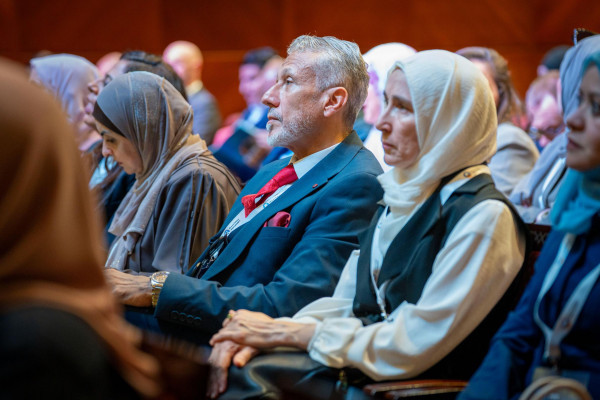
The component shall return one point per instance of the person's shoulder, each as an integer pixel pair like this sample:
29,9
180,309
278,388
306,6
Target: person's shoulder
509,134
364,162
360,159
200,166
202,97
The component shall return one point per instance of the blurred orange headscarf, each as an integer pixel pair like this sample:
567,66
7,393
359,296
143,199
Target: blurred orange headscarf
50,243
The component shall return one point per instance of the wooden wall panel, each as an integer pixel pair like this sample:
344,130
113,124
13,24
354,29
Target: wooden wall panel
520,30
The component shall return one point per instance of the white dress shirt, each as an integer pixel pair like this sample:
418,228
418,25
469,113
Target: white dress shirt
302,167
470,274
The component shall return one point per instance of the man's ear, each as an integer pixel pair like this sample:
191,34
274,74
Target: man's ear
336,99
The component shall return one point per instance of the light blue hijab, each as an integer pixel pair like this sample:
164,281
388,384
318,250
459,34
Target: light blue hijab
579,197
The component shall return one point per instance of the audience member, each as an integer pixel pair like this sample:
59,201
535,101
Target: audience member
553,330
249,87
186,59
552,60
268,78
536,192
107,62
380,59
295,223
516,152
67,76
108,177
181,195
62,335
239,146
543,108
429,286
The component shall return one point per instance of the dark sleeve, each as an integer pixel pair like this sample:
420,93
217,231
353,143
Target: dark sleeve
51,354
502,375
190,210
310,272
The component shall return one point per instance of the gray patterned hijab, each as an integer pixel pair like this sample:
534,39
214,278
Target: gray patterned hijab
570,79
155,117
67,77
571,72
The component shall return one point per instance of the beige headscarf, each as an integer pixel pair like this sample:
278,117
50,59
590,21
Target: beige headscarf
50,242
455,121
154,116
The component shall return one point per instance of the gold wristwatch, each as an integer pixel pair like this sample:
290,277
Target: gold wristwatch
157,280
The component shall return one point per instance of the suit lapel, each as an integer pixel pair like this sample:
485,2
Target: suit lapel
253,186
316,178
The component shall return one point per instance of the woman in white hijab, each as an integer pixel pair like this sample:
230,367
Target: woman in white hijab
67,77
380,59
436,272
181,195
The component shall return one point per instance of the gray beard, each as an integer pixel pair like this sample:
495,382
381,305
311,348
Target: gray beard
289,132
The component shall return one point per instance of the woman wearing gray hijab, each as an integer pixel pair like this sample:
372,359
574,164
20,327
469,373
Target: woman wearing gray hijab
536,192
181,195
67,77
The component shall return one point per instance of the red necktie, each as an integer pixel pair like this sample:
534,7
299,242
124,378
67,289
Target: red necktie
284,177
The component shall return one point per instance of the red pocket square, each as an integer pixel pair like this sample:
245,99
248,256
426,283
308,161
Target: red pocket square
281,219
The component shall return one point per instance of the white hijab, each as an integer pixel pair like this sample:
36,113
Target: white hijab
155,117
382,57
456,126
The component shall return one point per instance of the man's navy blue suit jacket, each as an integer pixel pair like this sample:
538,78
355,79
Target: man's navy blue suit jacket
279,270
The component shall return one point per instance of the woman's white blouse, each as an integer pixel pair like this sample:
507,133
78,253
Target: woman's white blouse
477,264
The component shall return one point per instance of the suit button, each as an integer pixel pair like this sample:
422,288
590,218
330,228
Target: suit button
197,321
174,314
181,317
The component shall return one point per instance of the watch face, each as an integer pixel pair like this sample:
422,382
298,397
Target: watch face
160,277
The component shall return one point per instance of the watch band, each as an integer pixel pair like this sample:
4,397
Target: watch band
157,281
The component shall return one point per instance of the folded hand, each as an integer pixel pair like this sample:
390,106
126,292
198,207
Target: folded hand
220,359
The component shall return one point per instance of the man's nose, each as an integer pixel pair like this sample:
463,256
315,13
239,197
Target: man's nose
271,98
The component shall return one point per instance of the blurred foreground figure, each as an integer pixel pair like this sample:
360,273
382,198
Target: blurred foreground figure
61,333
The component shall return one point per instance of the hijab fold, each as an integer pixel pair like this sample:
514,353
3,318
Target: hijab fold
50,241
157,120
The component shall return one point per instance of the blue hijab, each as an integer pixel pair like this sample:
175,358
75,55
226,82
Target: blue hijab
579,197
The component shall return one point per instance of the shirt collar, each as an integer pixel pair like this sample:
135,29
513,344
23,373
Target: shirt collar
305,164
193,88
461,179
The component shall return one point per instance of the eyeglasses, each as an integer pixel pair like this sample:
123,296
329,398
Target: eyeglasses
550,131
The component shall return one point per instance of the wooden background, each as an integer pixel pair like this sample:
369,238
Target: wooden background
521,30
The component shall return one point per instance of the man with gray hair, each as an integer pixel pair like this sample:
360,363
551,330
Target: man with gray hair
291,230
